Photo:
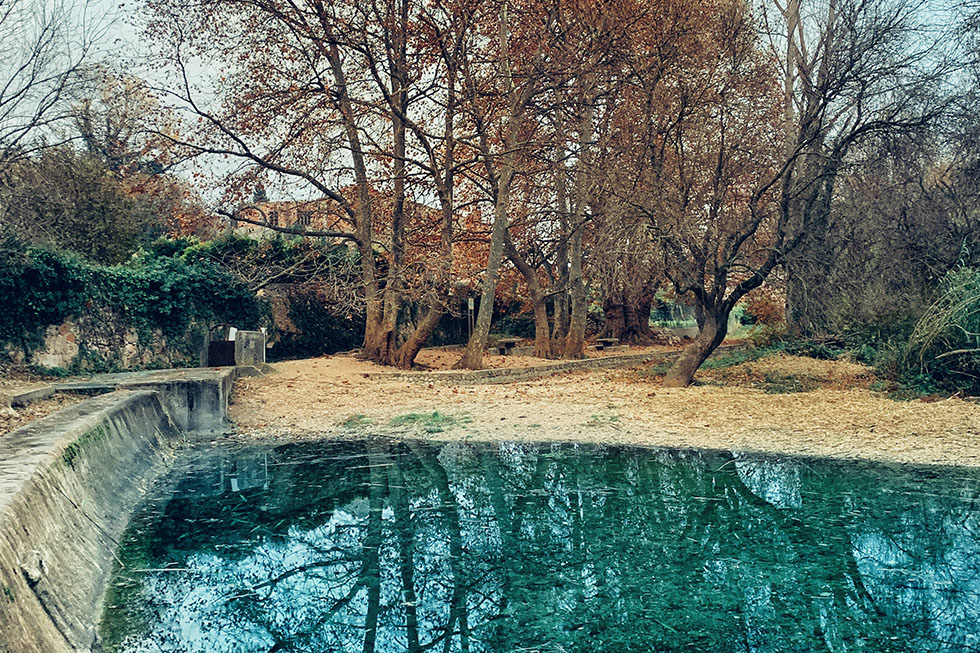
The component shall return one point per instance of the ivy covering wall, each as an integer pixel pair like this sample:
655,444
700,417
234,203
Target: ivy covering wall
155,298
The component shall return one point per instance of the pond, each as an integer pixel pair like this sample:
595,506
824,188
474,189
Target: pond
389,546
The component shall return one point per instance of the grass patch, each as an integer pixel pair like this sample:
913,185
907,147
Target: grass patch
355,421
602,420
435,422
731,359
781,384
654,371
910,388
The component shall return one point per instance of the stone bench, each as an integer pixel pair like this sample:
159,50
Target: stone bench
606,343
506,347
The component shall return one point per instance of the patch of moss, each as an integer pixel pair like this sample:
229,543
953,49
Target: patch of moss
8,593
430,423
355,421
70,454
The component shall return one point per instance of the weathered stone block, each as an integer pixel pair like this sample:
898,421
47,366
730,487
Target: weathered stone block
249,348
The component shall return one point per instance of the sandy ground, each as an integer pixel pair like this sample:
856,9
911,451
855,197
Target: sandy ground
443,358
329,397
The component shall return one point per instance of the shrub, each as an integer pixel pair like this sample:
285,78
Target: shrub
40,288
763,309
945,343
518,325
169,294
764,336
813,349
319,330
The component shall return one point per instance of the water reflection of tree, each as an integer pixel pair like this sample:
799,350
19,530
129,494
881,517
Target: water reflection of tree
390,546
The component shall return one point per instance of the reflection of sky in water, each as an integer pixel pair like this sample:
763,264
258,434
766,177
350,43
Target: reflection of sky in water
776,481
570,548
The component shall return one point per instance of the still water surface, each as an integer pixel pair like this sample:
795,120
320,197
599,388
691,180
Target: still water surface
384,546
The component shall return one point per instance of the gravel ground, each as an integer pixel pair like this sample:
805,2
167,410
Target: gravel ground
330,397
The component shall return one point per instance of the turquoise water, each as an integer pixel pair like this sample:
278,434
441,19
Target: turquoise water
384,546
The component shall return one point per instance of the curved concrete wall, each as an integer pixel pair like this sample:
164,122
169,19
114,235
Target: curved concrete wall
68,486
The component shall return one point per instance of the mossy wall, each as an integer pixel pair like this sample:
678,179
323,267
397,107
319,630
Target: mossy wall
67,486
63,313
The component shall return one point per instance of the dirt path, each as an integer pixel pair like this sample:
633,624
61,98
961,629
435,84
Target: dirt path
330,396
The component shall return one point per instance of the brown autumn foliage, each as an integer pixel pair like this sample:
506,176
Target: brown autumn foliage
573,150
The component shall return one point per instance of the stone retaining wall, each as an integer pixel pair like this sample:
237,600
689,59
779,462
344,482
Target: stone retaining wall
67,485
94,341
510,374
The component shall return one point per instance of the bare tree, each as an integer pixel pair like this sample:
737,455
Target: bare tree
44,45
339,102
500,92
851,69
743,201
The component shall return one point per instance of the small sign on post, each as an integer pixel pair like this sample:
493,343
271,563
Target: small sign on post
470,304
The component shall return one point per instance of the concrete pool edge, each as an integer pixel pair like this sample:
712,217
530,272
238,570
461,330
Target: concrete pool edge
68,485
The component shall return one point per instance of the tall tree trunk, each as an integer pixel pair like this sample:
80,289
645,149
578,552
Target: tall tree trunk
444,182
435,308
575,340
384,345
542,330
378,327
379,334
628,319
713,327
385,334
473,355
406,354
614,309
638,321
561,300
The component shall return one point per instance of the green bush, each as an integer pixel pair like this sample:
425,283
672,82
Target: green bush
812,349
39,288
171,293
945,343
764,336
520,325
